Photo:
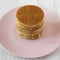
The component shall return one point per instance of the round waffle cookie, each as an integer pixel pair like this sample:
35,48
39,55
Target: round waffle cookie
29,21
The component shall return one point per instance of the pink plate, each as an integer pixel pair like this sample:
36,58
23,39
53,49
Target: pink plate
18,46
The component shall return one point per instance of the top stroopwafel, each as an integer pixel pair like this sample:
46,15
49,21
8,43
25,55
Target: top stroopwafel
29,15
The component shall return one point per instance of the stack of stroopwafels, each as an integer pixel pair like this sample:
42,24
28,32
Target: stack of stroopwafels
29,21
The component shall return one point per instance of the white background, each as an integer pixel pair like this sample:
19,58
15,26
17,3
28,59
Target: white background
7,5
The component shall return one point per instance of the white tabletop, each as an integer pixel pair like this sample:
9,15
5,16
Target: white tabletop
7,5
